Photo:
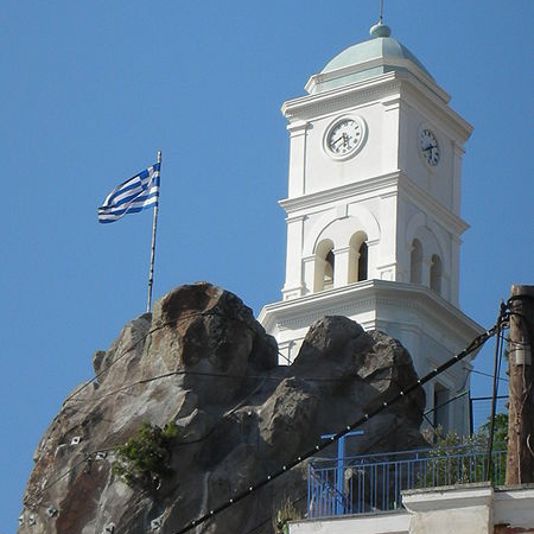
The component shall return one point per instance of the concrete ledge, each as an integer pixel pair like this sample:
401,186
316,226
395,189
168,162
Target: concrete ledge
447,497
460,509
397,522
514,507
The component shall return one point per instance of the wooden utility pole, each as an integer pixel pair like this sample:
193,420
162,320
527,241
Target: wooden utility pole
520,461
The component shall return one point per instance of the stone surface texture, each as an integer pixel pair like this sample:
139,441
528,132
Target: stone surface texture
203,361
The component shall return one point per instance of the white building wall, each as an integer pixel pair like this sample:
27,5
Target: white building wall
469,509
297,157
438,181
377,156
386,190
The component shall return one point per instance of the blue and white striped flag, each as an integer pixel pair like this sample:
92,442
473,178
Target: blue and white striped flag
132,196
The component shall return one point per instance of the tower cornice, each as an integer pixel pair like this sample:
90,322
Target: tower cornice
394,183
455,224
342,192
317,79
366,296
402,83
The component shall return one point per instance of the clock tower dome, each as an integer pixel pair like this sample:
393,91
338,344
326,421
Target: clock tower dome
373,212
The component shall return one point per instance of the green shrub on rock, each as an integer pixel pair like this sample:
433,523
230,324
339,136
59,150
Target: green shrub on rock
285,514
145,458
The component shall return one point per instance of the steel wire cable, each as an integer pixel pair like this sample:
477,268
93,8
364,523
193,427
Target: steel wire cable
474,345
88,457
495,391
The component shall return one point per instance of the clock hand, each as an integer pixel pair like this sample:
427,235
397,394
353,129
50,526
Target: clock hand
336,141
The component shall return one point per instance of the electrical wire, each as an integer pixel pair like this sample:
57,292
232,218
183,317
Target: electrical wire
495,391
448,401
131,347
370,446
474,345
489,398
143,338
87,457
208,375
270,518
229,413
125,387
502,378
424,414
233,410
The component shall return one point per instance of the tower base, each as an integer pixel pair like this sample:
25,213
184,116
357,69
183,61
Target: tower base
429,327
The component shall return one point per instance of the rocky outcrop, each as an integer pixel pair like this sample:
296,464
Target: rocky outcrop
203,364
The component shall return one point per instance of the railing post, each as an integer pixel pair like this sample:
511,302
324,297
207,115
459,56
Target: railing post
340,476
309,499
379,479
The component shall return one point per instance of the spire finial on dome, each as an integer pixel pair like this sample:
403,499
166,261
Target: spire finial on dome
380,29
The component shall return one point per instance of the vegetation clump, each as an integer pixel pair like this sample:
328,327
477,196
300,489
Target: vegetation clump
285,514
459,460
500,432
145,458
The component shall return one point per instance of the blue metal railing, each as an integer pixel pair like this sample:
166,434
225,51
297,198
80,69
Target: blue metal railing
373,482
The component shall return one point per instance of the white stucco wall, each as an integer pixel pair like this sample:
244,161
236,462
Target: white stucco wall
469,509
386,190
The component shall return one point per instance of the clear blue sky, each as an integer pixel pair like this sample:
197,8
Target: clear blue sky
90,91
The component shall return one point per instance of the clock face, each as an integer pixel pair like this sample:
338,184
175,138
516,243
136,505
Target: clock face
429,147
344,137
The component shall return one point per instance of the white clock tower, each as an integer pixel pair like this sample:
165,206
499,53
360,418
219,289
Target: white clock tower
373,211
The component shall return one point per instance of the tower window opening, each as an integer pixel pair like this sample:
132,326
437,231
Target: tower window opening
328,277
435,274
324,265
358,258
362,262
416,262
328,280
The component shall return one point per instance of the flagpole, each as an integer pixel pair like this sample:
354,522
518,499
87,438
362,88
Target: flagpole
153,246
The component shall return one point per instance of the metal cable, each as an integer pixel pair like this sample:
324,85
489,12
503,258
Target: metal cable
474,345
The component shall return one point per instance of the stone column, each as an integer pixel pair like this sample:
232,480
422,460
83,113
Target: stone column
297,158
294,286
341,266
309,268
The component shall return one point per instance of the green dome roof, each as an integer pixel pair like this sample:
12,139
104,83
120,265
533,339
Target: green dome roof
379,47
362,61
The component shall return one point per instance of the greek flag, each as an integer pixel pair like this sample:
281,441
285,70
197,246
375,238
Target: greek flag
132,196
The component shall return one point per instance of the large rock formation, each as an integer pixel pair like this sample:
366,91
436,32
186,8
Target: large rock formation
204,363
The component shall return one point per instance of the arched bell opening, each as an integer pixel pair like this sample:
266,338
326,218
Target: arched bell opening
358,258
324,265
416,262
